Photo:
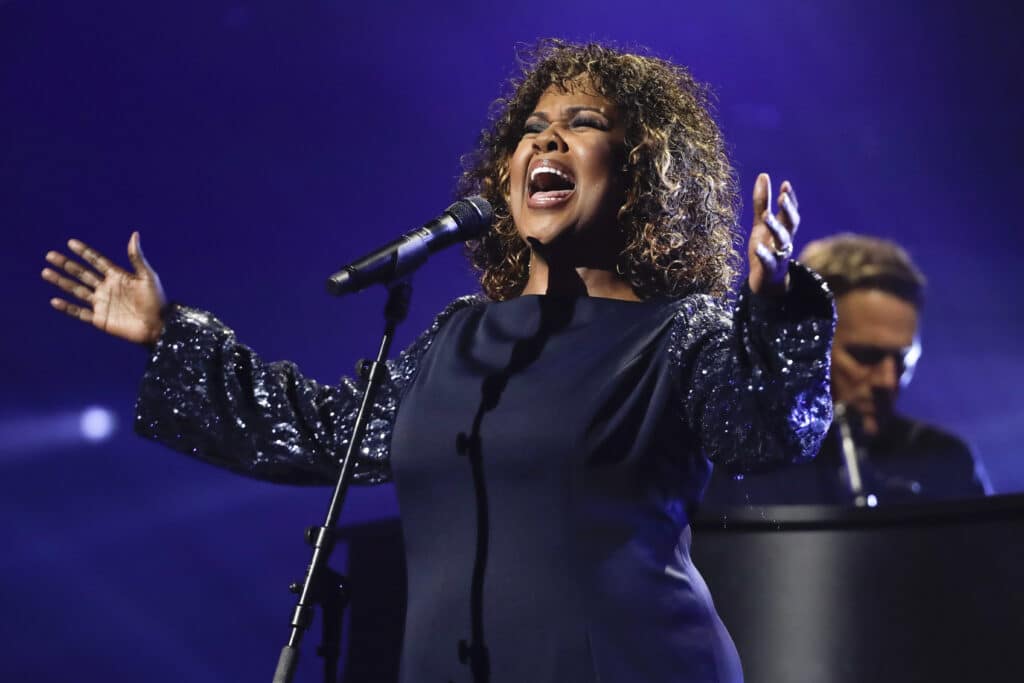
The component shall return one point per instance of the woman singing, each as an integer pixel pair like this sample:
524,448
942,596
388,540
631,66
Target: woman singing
549,439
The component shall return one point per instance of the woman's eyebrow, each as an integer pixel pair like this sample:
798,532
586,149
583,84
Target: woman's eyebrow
570,111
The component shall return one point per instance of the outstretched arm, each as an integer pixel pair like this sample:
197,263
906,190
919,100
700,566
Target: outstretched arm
755,380
204,393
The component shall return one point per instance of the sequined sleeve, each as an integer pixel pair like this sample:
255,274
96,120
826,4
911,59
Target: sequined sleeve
755,381
206,394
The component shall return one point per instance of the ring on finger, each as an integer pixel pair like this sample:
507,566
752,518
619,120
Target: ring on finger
785,252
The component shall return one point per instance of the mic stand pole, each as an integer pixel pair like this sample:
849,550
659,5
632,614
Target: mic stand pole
322,585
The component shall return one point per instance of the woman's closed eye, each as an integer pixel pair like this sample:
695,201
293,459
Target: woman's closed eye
589,121
535,126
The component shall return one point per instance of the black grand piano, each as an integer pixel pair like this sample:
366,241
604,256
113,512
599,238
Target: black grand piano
811,594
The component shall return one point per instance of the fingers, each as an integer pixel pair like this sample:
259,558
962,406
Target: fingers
70,286
762,194
783,238
772,244
787,187
788,207
83,314
136,256
73,268
768,260
90,255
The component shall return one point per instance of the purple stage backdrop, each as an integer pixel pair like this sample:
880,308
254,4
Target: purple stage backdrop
260,145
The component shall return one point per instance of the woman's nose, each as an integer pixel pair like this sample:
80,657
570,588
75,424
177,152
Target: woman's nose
550,140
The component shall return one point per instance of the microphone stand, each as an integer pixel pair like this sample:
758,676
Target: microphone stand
323,586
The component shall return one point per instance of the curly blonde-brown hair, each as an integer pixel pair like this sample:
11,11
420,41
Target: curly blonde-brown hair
679,216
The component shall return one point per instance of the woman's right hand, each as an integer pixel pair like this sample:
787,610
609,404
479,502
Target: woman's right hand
121,303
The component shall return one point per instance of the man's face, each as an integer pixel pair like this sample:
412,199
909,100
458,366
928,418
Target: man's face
874,335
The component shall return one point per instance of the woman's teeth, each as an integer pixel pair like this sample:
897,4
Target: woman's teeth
548,183
549,169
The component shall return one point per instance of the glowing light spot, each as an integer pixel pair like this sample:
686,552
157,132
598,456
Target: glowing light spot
872,500
96,423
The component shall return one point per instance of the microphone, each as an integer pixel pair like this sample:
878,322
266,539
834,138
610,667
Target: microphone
848,421
464,220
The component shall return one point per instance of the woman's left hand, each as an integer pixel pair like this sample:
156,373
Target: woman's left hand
771,239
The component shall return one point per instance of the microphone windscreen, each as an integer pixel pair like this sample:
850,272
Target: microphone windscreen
473,216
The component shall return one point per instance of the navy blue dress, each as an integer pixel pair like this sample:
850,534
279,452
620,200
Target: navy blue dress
547,453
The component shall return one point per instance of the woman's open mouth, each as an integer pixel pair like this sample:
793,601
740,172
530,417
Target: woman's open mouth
550,184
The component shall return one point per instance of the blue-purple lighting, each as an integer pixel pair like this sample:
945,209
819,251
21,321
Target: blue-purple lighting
258,146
